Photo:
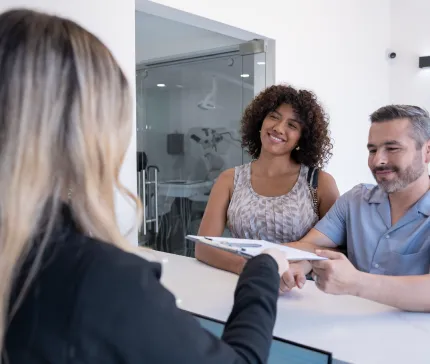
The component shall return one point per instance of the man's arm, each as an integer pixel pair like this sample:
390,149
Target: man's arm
296,275
337,275
410,293
329,233
312,241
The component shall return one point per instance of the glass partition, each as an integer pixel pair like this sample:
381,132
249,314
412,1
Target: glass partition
188,123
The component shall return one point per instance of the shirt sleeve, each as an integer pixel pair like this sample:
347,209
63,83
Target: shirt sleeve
333,224
131,317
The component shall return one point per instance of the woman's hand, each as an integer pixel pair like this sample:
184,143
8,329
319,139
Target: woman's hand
295,276
280,258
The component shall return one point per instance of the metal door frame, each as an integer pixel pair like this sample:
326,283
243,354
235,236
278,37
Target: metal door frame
254,46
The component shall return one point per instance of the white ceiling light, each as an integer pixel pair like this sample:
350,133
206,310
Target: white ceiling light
179,86
161,85
261,63
244,75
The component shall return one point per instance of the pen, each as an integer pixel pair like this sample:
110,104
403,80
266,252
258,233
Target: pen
242,245
237,245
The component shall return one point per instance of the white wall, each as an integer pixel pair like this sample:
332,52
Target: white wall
410,29
336,48
97,17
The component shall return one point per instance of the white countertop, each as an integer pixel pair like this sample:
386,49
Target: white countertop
353,329
183,189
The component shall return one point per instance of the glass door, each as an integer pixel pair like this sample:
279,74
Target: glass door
188,132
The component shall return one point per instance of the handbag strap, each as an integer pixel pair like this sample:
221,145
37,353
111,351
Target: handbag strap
312,179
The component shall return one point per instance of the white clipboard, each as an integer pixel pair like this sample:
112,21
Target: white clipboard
250,248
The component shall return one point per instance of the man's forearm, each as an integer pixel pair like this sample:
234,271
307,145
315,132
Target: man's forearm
307,246
312,241
410,293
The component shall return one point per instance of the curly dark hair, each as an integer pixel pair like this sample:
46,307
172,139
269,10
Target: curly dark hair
315,143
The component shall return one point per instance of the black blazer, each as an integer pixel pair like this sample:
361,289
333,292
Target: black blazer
94,303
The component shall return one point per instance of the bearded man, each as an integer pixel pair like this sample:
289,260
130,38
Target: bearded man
385,228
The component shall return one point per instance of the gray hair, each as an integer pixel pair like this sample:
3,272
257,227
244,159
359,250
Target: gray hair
419,118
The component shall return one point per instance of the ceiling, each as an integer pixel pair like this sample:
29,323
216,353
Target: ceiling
158,37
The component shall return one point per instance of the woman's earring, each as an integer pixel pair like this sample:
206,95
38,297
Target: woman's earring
298,148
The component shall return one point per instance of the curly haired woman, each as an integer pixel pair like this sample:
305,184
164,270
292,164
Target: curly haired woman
281,194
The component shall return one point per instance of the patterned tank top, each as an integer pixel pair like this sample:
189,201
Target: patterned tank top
277,219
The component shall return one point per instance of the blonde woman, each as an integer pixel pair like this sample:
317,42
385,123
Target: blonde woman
65,296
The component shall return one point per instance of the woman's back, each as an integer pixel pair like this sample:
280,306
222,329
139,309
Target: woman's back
93,303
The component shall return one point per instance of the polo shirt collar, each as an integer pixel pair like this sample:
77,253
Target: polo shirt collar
378,195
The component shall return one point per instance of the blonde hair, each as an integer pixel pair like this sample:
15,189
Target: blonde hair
65,123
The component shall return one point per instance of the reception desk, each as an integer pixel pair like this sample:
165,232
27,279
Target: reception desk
353,329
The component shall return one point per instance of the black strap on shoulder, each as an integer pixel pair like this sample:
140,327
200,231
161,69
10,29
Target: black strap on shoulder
312,177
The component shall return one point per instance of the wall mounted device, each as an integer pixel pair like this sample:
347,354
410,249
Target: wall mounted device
175,144
424,62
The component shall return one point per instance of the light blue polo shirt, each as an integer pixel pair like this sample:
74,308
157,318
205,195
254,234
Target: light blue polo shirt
361,218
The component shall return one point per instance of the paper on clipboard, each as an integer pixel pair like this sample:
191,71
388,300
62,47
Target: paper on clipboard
250,248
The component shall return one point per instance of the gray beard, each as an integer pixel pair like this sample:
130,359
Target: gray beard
405,177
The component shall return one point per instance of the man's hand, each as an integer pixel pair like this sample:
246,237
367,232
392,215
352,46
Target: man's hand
295,276
336,275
